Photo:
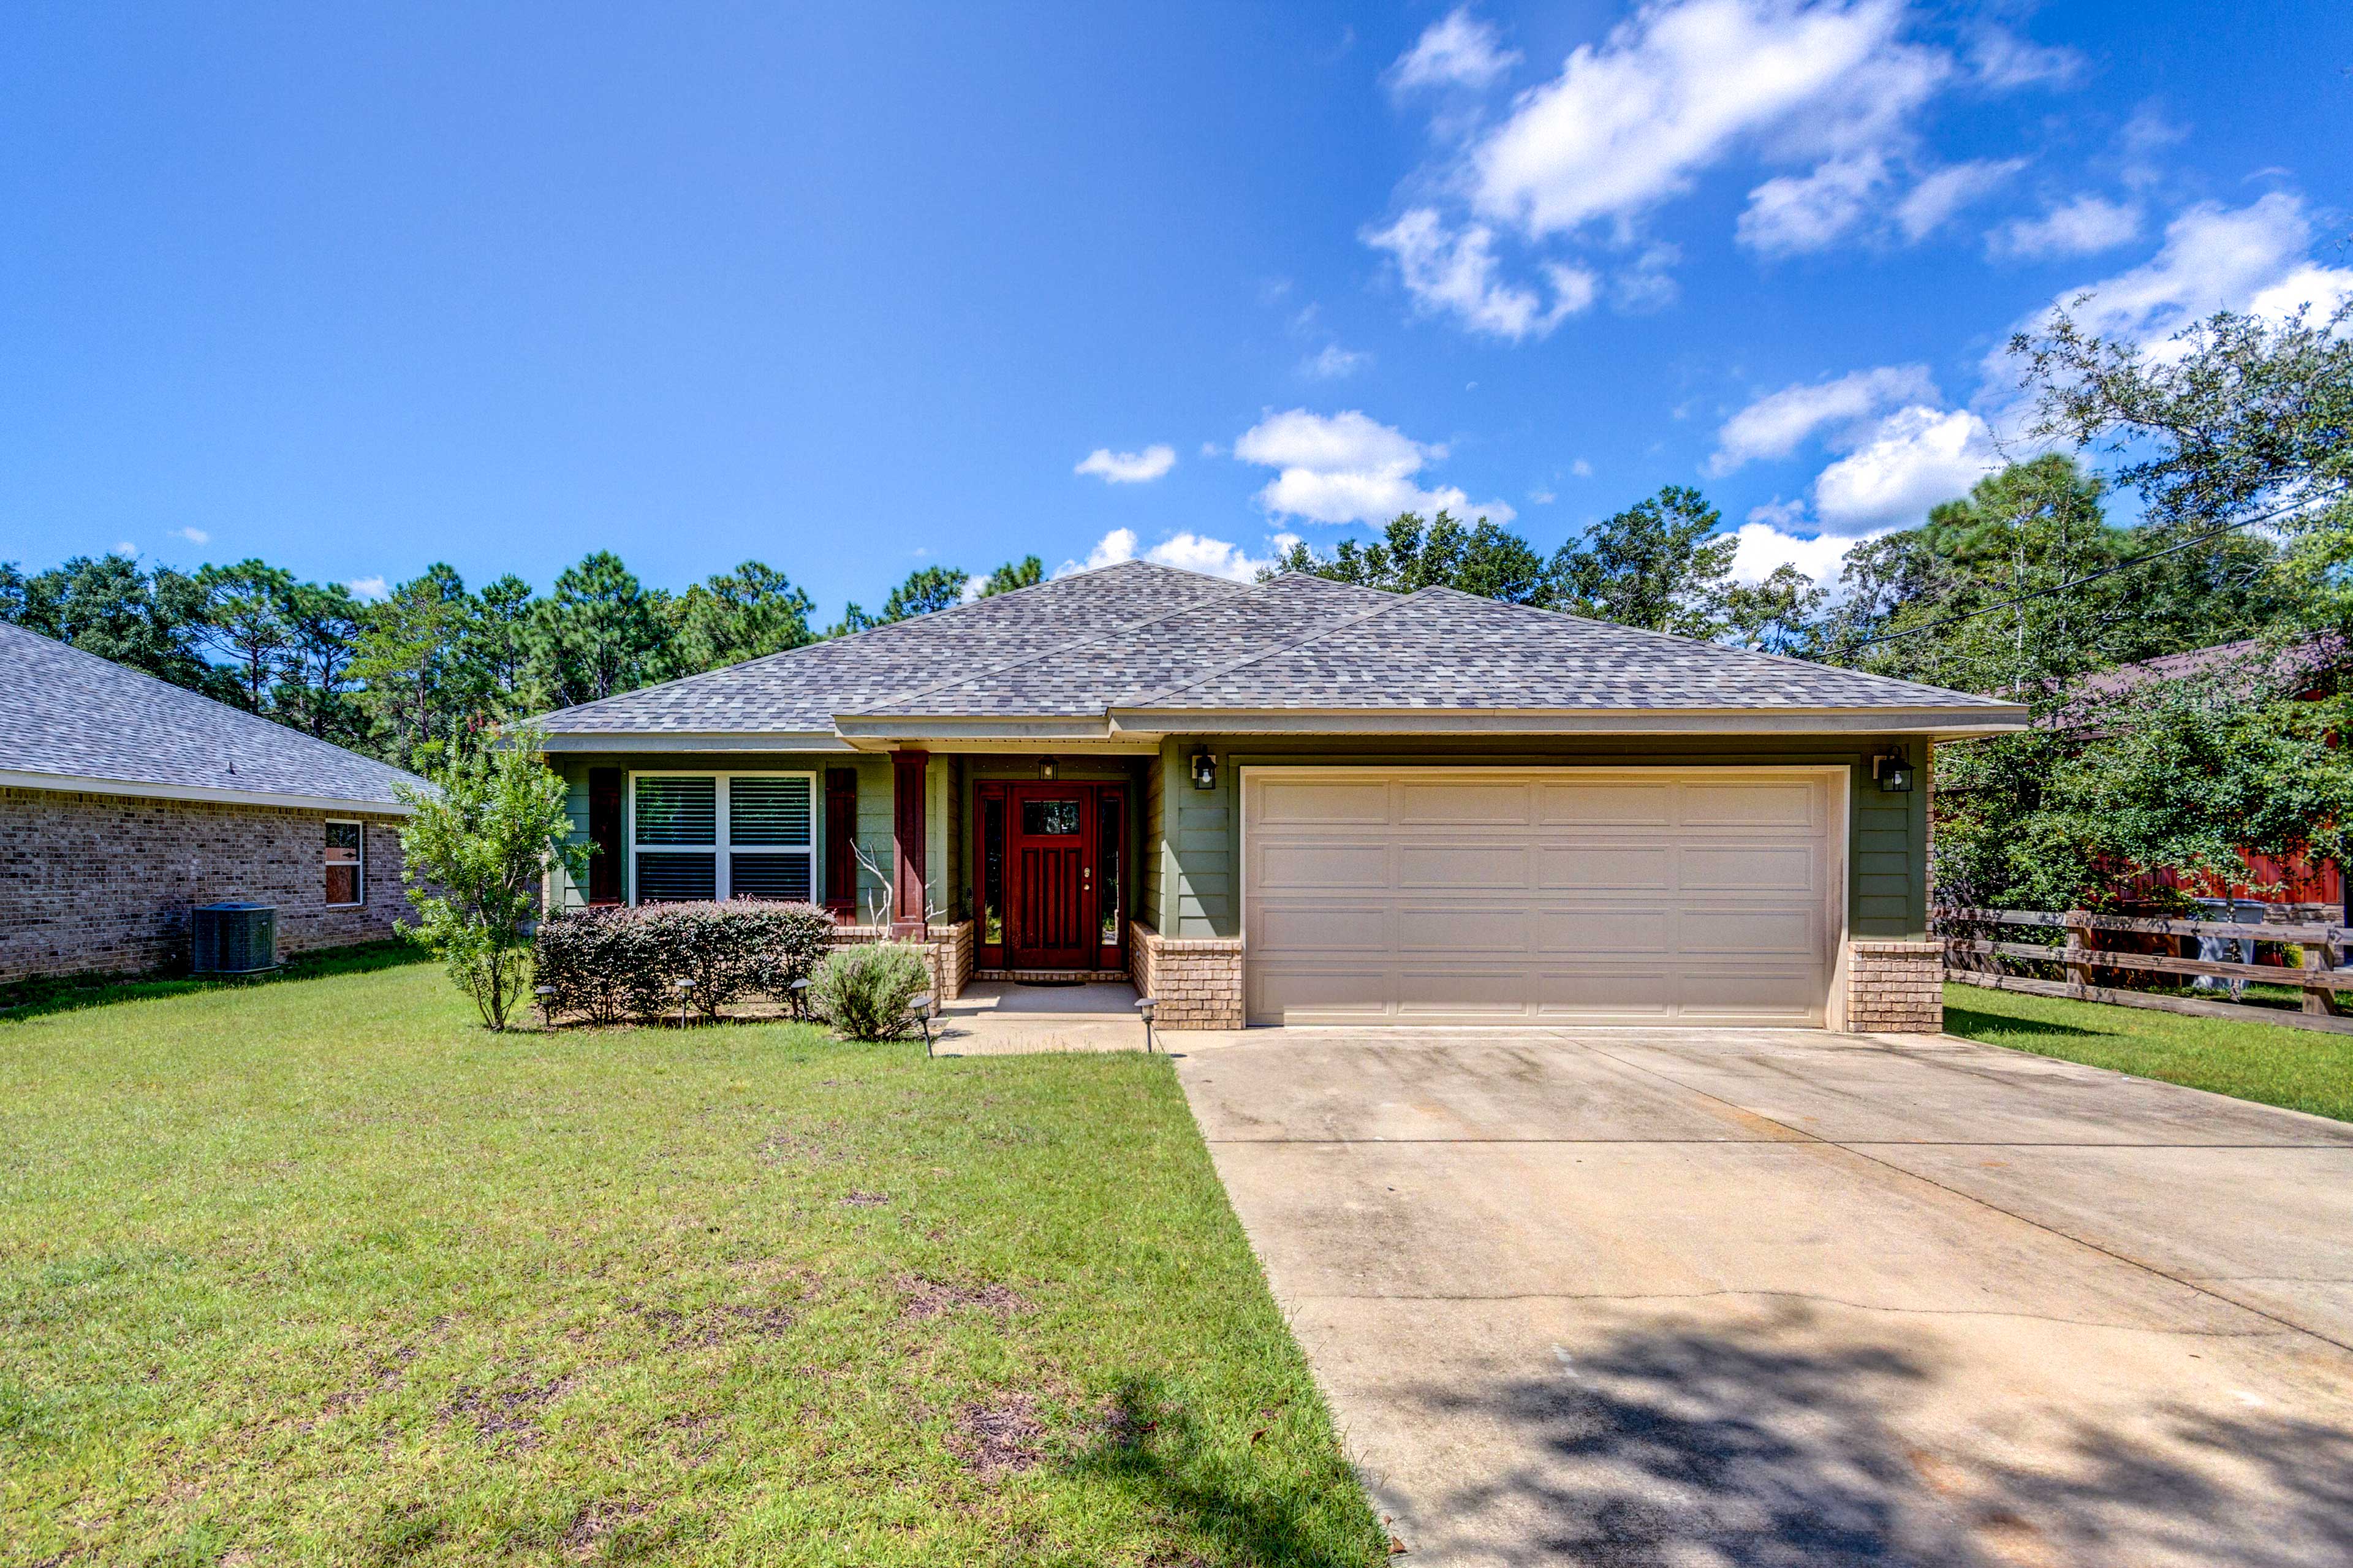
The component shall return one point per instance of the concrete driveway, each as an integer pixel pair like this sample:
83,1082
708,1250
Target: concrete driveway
1696,1297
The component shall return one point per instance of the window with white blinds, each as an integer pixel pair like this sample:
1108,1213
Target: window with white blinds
723,836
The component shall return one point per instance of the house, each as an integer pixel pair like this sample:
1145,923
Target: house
125,801
1305,802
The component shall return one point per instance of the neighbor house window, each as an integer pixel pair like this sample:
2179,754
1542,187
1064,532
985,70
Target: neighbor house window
723,836
346,865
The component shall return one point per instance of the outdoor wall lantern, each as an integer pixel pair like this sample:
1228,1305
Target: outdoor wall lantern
1893,772
1046,769
1205,769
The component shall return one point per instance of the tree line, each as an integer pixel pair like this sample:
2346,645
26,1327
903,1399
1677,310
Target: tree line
423,672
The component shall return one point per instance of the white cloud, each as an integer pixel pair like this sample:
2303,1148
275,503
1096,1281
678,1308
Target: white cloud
1334,363
1190,551
1348,467
1793,214
1457,51
193,535
1456,272
1775,425
2003,59
1542,497
2317,290
1925,207
126,548
1914,459
1766,544
1632,120
2089,222
1127,468
1581,468
376,590
2213,258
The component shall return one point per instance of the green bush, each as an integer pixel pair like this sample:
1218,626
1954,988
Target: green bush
863,991
611,964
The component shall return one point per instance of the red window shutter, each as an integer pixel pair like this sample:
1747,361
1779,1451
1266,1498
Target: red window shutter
605,833
840,837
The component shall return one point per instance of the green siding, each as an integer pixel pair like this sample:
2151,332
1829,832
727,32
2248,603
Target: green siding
1149,871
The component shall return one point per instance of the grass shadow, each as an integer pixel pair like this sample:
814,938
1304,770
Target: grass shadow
28,999
1973,1025
1152,1449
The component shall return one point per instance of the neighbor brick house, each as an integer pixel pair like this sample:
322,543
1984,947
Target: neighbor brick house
1303,802
126,800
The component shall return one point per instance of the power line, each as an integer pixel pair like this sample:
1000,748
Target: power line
2079,582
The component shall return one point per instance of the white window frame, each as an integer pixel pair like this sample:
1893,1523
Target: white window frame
360,866
722,851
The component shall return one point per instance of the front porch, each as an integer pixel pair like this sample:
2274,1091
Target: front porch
1000,1017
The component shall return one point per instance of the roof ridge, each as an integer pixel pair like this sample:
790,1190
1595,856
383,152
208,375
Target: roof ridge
1123,628
1167,692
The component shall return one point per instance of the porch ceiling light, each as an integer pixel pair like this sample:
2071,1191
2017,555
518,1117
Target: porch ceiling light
1046,769
1205,769
1893,772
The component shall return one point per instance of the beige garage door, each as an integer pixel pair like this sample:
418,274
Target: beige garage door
1562,896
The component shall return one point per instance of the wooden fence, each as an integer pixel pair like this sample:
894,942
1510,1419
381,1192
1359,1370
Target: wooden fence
1977,958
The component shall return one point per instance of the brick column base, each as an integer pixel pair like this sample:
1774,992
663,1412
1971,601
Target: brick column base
1895,987
947,954
1197,981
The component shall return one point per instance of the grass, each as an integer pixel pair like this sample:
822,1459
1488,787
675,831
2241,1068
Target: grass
318,1271
2301,1069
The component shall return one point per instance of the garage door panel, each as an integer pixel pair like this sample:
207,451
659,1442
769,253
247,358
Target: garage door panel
1315,801
1564,897
1469,866
1472,932
1627,805
1727,868
1299,993
1758,805
1425,992
1723,934
1318,928
1324,865
1466,805
1603,867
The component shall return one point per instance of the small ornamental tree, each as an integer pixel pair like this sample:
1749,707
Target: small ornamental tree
473,855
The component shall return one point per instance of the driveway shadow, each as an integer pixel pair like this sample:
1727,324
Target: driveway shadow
1707,1446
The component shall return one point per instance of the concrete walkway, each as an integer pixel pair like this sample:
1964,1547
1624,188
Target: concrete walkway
1760,1298
1003,1017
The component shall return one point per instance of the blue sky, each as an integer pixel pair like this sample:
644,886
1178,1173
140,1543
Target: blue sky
856,290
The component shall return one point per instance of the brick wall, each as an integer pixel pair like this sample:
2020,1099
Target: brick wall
103,883
1895,987
948,954
1197,981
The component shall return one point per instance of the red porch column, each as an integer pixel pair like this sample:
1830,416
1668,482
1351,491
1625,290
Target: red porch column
907,772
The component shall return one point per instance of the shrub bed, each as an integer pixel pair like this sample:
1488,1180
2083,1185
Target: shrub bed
609,965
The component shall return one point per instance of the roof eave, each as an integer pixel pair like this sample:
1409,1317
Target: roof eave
142,789
1974,720
857,727
692,740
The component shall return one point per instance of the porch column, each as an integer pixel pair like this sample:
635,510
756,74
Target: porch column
907,823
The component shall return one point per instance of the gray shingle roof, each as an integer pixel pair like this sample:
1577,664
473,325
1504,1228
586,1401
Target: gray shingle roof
1444,649
1140,637
71,715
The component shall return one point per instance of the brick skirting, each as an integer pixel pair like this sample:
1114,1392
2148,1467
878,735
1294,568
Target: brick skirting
1895,987
1197,981
949,953
102,884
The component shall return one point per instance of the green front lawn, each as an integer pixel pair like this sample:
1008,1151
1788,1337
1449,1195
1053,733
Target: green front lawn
318,1271
2301,1069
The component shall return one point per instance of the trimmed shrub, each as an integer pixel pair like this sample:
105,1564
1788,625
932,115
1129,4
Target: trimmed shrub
863,991
611,964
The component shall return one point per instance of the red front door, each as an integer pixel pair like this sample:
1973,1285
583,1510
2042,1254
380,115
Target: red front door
1049,843
1053,857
